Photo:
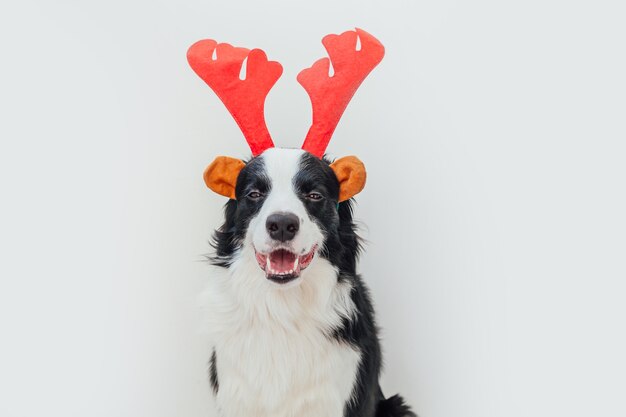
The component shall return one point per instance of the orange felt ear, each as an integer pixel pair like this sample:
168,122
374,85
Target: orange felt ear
221,175
350,172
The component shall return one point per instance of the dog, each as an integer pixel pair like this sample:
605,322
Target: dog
291,323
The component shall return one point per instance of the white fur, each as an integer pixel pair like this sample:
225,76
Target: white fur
275,356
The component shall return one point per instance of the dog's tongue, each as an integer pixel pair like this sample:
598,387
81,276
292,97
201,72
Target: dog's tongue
282,262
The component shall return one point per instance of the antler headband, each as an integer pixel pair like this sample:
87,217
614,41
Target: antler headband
245,98
220,64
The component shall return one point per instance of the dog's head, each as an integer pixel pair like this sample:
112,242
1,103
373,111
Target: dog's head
285,203
286,206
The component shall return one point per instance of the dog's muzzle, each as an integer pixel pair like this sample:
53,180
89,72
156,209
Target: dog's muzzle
282,265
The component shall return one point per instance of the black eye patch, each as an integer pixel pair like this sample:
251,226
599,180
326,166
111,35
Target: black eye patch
253,177
315,175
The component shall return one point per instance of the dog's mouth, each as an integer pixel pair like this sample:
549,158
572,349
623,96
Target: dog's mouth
282,265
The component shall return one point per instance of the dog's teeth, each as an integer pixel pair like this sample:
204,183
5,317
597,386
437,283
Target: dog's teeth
268,264
295,265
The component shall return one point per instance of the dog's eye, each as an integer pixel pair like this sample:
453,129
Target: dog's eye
254,195
314,196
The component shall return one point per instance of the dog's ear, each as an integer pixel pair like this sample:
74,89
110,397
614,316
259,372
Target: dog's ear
221,175
350,172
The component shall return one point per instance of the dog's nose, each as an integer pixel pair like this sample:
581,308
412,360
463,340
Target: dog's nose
282,226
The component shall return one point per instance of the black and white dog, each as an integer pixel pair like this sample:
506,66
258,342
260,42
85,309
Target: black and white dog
292,324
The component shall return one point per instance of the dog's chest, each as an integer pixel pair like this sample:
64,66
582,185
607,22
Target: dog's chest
268,371
279,360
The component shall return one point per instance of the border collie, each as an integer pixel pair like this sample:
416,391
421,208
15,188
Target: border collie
291,322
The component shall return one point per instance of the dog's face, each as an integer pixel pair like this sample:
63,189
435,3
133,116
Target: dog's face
286,208
288,200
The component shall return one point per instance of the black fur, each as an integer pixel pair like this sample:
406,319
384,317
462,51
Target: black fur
342,248
394,407
238,213
213,373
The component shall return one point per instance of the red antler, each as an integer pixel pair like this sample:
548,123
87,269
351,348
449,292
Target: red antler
331,94
244,99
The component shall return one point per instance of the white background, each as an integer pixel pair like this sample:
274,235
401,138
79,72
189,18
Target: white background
493,133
